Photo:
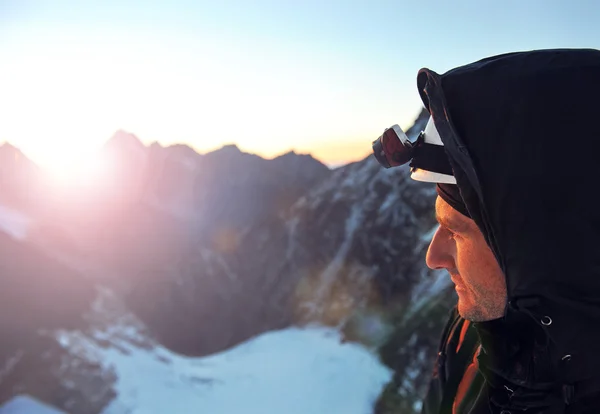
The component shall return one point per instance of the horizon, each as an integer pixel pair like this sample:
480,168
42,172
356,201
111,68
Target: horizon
196,151
318,79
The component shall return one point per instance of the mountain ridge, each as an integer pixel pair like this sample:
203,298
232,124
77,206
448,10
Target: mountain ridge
122,139
199,254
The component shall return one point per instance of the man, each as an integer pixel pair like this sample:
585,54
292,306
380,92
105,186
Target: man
513,144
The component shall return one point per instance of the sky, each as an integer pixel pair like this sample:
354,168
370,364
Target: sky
314,76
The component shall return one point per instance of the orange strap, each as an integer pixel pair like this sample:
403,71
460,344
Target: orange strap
465,383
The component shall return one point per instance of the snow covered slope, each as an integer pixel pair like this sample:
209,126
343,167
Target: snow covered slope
288,371
24,404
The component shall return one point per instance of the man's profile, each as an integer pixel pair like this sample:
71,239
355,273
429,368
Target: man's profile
513,145
459,247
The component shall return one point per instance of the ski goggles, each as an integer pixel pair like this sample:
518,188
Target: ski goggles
426,155
393,148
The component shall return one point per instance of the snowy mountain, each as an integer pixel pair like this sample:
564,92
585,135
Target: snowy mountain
349,253
355,239
234,261
292,370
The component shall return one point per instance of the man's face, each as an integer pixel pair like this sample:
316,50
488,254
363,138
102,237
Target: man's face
459,247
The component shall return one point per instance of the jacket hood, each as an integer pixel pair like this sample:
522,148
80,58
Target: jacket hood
522,133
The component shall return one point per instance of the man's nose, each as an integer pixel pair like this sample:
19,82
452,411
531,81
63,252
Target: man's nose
440,252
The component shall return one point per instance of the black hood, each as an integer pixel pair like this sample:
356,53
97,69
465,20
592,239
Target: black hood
522,133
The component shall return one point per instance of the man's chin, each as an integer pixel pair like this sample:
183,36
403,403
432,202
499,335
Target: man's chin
472,313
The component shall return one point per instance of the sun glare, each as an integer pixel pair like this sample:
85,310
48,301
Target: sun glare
67,169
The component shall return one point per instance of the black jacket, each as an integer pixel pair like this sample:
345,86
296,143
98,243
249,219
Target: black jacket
457,383
521,132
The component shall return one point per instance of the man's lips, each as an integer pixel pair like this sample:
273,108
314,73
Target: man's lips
456,279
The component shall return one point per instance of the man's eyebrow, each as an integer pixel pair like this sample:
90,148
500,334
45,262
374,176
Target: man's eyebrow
451,225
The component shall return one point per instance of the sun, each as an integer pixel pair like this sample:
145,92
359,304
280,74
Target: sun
75,168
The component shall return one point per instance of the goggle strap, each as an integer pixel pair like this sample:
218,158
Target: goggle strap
431,157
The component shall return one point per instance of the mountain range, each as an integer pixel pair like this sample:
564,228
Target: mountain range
195,254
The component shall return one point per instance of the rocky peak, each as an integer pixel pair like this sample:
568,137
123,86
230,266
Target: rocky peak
11,156
20,180
123,141
183,151
7,147
227,151
297,165
229,148
295,157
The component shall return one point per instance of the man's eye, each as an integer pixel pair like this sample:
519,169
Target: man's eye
451,234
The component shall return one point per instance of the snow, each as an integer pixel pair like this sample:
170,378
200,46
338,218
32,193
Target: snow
390,200
295,370
14,223
431,286
291,226
24,404
10,364
328,277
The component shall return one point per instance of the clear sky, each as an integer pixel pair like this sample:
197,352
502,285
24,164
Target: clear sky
316,76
